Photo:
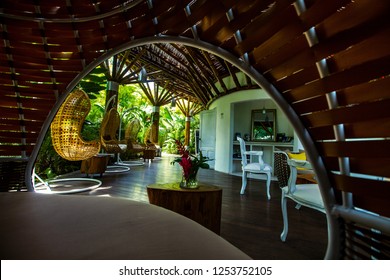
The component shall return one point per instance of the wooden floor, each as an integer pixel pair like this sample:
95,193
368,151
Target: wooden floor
250,221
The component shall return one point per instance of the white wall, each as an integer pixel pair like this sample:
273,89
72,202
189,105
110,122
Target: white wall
234,115
243,114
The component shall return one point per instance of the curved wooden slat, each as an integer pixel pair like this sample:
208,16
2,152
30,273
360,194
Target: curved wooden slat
358,149
373,111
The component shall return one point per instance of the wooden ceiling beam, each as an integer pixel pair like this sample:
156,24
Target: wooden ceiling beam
212,66
195,71
192,75
156,66
130,64
206,75
233,75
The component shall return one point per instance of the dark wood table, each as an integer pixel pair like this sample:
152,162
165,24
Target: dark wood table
149,154
203,205
95,165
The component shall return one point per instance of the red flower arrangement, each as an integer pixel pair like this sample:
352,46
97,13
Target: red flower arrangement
190,165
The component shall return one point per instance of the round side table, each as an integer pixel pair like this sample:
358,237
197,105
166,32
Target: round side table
203,205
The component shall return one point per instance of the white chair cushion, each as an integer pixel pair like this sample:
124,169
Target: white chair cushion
255,166
122,146
307,194
254,153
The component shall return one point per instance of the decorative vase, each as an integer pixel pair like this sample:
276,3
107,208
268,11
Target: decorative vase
191,182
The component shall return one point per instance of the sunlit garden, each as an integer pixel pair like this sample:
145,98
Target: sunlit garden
132,104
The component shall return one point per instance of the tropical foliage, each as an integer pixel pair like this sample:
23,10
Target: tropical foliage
132,104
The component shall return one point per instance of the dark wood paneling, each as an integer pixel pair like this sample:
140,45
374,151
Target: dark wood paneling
354,75
356,149
321,10
376,89
366,191
355,14
373,111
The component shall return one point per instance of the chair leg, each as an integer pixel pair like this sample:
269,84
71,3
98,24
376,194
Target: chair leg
283,235
243,182
268,185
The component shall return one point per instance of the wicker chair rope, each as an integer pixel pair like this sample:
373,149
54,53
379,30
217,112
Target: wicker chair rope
67,125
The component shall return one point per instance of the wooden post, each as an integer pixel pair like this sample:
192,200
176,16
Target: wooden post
112,95
187,131
155,125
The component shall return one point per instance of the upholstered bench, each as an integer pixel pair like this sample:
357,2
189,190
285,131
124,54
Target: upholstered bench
44,226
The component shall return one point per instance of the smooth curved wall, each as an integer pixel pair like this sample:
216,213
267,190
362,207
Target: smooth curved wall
234,116
225,124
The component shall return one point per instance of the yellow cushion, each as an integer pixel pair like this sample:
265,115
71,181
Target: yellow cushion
297,156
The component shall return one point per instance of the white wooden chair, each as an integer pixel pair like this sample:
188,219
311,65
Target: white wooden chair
303,194
259,167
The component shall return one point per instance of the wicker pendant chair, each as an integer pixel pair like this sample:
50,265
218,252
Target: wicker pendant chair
150,147
110,143
132,130
108,131
68,143
131,134
67,125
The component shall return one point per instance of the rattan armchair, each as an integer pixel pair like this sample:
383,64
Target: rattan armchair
67,125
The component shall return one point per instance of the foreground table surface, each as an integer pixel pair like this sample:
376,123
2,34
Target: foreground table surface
202,205
44,226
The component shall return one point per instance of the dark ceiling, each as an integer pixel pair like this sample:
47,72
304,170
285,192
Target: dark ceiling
48,44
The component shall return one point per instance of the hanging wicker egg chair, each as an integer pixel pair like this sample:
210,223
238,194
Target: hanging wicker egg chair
131,134
108,132
67,125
